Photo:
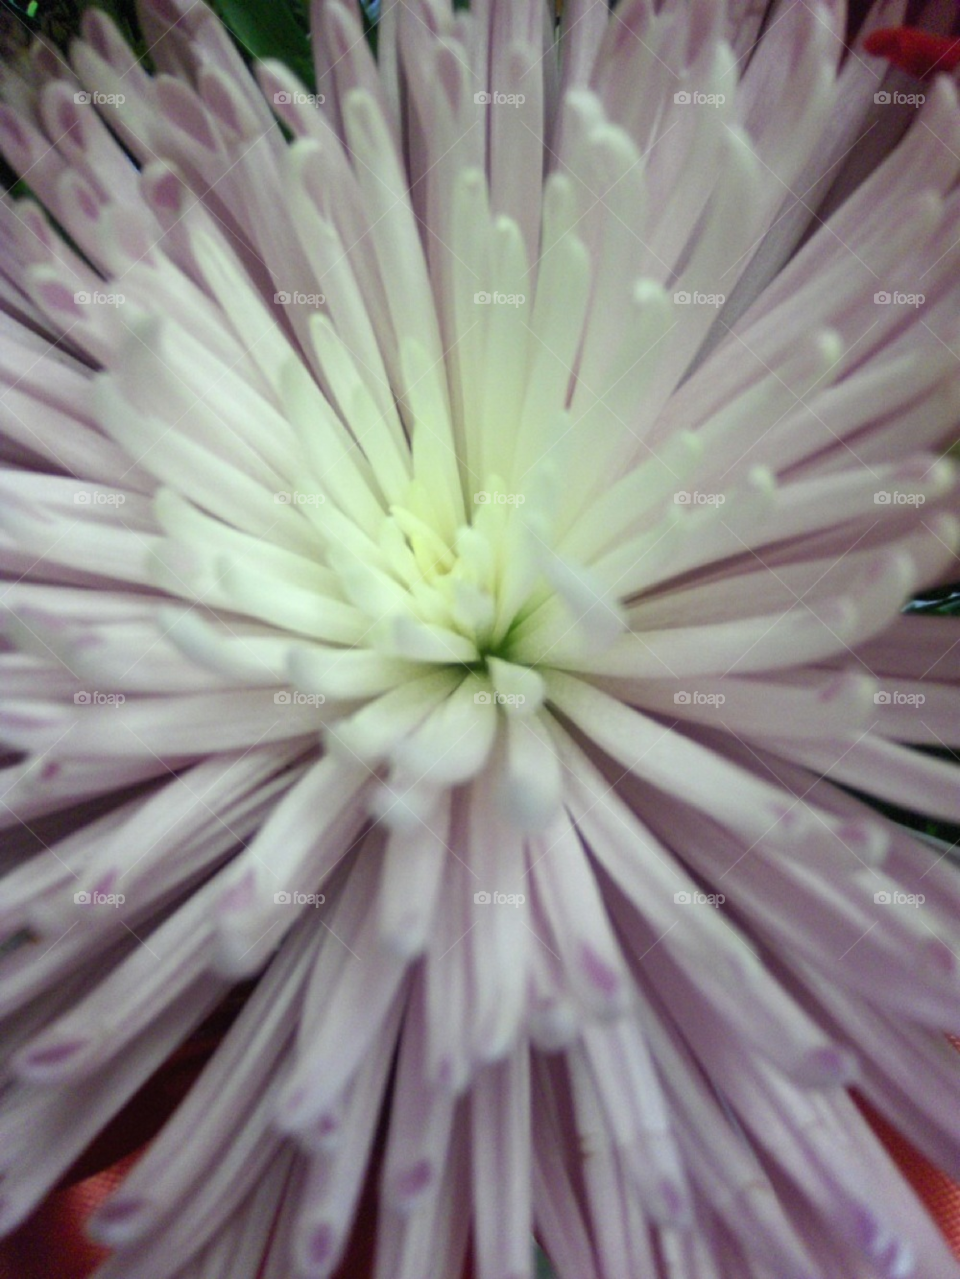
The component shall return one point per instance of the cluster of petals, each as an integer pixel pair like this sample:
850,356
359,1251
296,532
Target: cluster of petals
455,527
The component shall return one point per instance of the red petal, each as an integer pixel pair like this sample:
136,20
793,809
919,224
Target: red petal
917,52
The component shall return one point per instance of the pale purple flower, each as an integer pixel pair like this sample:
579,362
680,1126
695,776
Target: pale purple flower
454,554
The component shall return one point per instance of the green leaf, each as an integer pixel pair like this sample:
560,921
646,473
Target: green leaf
544,1268
270,29
943,602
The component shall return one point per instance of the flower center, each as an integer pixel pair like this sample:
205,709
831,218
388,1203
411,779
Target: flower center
441,591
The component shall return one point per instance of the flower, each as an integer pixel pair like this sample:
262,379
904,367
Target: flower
455,550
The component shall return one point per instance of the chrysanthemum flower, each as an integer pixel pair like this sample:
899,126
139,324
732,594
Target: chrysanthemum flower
455,549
